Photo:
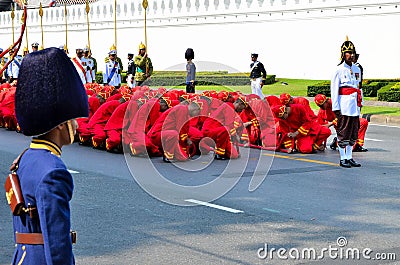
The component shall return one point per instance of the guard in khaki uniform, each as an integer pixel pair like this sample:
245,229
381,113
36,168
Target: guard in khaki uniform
46,109
144,67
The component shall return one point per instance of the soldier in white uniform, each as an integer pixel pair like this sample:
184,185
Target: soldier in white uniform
258,75
346,102
111,73
91,71
13,67
80,64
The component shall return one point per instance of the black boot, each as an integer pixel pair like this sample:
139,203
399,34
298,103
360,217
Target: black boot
354,163
359,148
219,157
345,163
333,145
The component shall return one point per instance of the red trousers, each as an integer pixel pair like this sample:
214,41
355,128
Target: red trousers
113,139
173,148
269,138
306,144
321,137
141,143
99,135
82,131
10,122
223,144
361,131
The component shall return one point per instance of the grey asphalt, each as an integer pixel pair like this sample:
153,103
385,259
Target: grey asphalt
305,201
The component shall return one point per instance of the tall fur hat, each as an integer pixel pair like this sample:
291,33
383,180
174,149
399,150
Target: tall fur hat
189,54
49,92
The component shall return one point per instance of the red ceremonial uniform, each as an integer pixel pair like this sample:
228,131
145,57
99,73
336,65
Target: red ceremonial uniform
311,134
115,125
303,101
220,126
82,131
7,110
136,135
251,133
171,131
266,122
98,122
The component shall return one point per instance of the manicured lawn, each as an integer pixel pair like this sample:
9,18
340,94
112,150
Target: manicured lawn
295,87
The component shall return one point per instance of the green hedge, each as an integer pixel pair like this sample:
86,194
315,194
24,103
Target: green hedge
320,88
177,78
390,93
206,80
370,88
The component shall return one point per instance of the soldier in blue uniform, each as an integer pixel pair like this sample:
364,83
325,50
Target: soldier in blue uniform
49,96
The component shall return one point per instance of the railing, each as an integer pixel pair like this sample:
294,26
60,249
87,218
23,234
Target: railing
171,12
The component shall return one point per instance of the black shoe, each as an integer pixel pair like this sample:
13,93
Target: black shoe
354,163
359,148
333,145
166,160
219,157
345,163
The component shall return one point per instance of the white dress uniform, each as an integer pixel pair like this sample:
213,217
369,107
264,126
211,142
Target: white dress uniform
345,76
90,73
81,68
13,67
111,74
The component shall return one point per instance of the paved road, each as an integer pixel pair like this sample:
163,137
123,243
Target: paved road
306,201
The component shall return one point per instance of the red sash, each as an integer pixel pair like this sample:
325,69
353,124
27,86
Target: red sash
349,91
80,67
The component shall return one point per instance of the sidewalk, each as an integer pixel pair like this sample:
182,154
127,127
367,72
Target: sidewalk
382,119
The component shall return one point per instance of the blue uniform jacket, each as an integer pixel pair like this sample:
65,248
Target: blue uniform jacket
47,184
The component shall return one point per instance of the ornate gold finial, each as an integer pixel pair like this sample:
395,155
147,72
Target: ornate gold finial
87,9
347,38
40,10
113,48
12,12
145,4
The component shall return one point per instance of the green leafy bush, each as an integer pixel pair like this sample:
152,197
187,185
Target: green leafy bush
320,88
390,92
370,89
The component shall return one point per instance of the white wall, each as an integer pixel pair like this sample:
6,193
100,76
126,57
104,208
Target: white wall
294,40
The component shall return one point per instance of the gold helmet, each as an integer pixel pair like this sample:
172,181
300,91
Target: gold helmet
347,46
113,49
142,46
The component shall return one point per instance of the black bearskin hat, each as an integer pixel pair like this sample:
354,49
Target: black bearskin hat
49,92
189,54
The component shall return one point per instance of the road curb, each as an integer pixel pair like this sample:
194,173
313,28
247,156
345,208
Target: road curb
382,119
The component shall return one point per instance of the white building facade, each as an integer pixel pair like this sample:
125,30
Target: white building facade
294,38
